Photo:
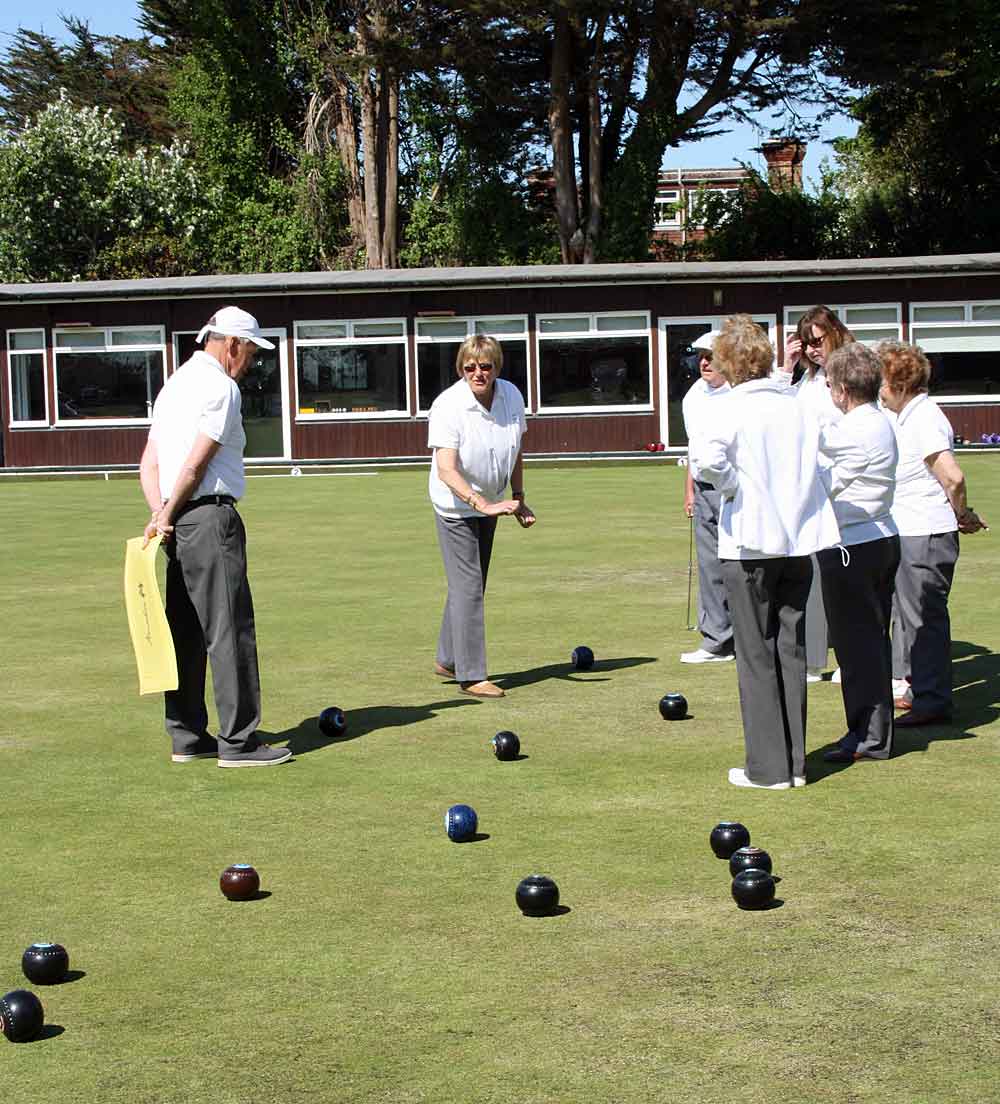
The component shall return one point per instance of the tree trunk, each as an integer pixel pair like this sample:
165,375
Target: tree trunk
561,135
595,198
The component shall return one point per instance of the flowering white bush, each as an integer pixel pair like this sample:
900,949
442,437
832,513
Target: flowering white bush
70,188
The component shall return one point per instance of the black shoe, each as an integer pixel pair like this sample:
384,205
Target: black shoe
205,747
261,756
839,755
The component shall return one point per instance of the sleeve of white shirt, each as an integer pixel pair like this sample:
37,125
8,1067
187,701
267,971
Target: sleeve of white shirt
932,432
220,414
711,453
443,428
849,458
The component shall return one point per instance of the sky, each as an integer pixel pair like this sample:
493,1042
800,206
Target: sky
119,17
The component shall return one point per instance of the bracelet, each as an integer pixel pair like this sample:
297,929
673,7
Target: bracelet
471,500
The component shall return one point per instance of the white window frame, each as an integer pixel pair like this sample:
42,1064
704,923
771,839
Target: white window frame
967,322
27,423
691,194
350,339
893,332
593,332
712,322
92,423
663,198
473,324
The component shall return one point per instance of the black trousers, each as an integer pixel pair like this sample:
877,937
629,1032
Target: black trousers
210,613
858,600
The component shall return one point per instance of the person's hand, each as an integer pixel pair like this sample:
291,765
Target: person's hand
157,525
149,532
525,515
689,503
793,350
971,522
497,509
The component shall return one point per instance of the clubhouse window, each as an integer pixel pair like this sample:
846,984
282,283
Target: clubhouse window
438,342
596,362
351,369
962,342
26,382
107,376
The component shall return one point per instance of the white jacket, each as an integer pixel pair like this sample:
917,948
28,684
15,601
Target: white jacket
762,453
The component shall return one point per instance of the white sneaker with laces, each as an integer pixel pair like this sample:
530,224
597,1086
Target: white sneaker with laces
701,655
738,777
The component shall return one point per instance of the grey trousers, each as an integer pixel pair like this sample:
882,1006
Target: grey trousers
466,547
767,599
921,627
210,612
714,622
817,634
858,599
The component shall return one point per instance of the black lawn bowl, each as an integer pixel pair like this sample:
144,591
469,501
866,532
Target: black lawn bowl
239,882
753,889
747,858
673,707
45,963
537,895
332,722
21,1015
506,746
583,658
728,836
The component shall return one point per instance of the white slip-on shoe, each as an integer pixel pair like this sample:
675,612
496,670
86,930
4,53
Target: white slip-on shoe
814,674
835,677
900,687
702,655
798,781
738,777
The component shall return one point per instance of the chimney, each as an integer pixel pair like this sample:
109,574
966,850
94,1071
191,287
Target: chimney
784,158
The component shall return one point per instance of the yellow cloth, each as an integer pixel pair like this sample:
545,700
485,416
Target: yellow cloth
151,639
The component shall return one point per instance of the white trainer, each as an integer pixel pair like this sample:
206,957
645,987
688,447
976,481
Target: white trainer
738,777
900,687
702,656
799,781
835,677
814,674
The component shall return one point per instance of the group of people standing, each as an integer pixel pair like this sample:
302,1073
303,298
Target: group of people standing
826,510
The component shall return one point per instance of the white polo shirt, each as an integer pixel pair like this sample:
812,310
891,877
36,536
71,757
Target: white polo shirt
920,506
487,442
814,394
200,398
698,414
862,450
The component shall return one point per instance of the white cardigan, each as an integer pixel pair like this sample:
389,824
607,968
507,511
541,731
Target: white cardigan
762,453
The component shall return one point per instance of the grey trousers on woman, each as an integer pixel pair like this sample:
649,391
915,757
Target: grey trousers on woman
858,598
466,546
817,634
767,600
921,627
714,622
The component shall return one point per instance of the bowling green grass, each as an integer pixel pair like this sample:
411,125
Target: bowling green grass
389,965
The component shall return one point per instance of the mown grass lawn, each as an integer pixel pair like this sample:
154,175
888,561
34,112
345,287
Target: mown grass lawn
389,965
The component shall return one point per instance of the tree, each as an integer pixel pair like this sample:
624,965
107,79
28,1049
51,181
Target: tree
71,192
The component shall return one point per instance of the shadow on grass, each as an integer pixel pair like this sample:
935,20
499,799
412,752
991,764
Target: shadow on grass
306,736
975,677
568,672
71,976
476,837
49,1031
559,910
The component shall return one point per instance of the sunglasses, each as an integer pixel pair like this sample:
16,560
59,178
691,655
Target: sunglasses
814,342
468,369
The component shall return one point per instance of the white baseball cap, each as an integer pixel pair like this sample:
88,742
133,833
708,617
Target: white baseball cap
234,322
706,341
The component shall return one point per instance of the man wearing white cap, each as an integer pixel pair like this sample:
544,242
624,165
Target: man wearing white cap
192,476
701,503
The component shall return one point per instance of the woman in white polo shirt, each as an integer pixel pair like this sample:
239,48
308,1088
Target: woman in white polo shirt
475,430
762,454
930,510
858,576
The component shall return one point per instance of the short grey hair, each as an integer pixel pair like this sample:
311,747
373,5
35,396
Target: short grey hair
857,369
213,336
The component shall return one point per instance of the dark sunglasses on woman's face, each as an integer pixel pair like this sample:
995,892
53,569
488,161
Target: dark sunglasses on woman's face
814,342
468,369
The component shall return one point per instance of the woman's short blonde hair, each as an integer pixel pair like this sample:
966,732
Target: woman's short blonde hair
742,351
857,369
904,367
479,347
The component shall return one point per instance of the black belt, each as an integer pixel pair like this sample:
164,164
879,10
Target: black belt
206,500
